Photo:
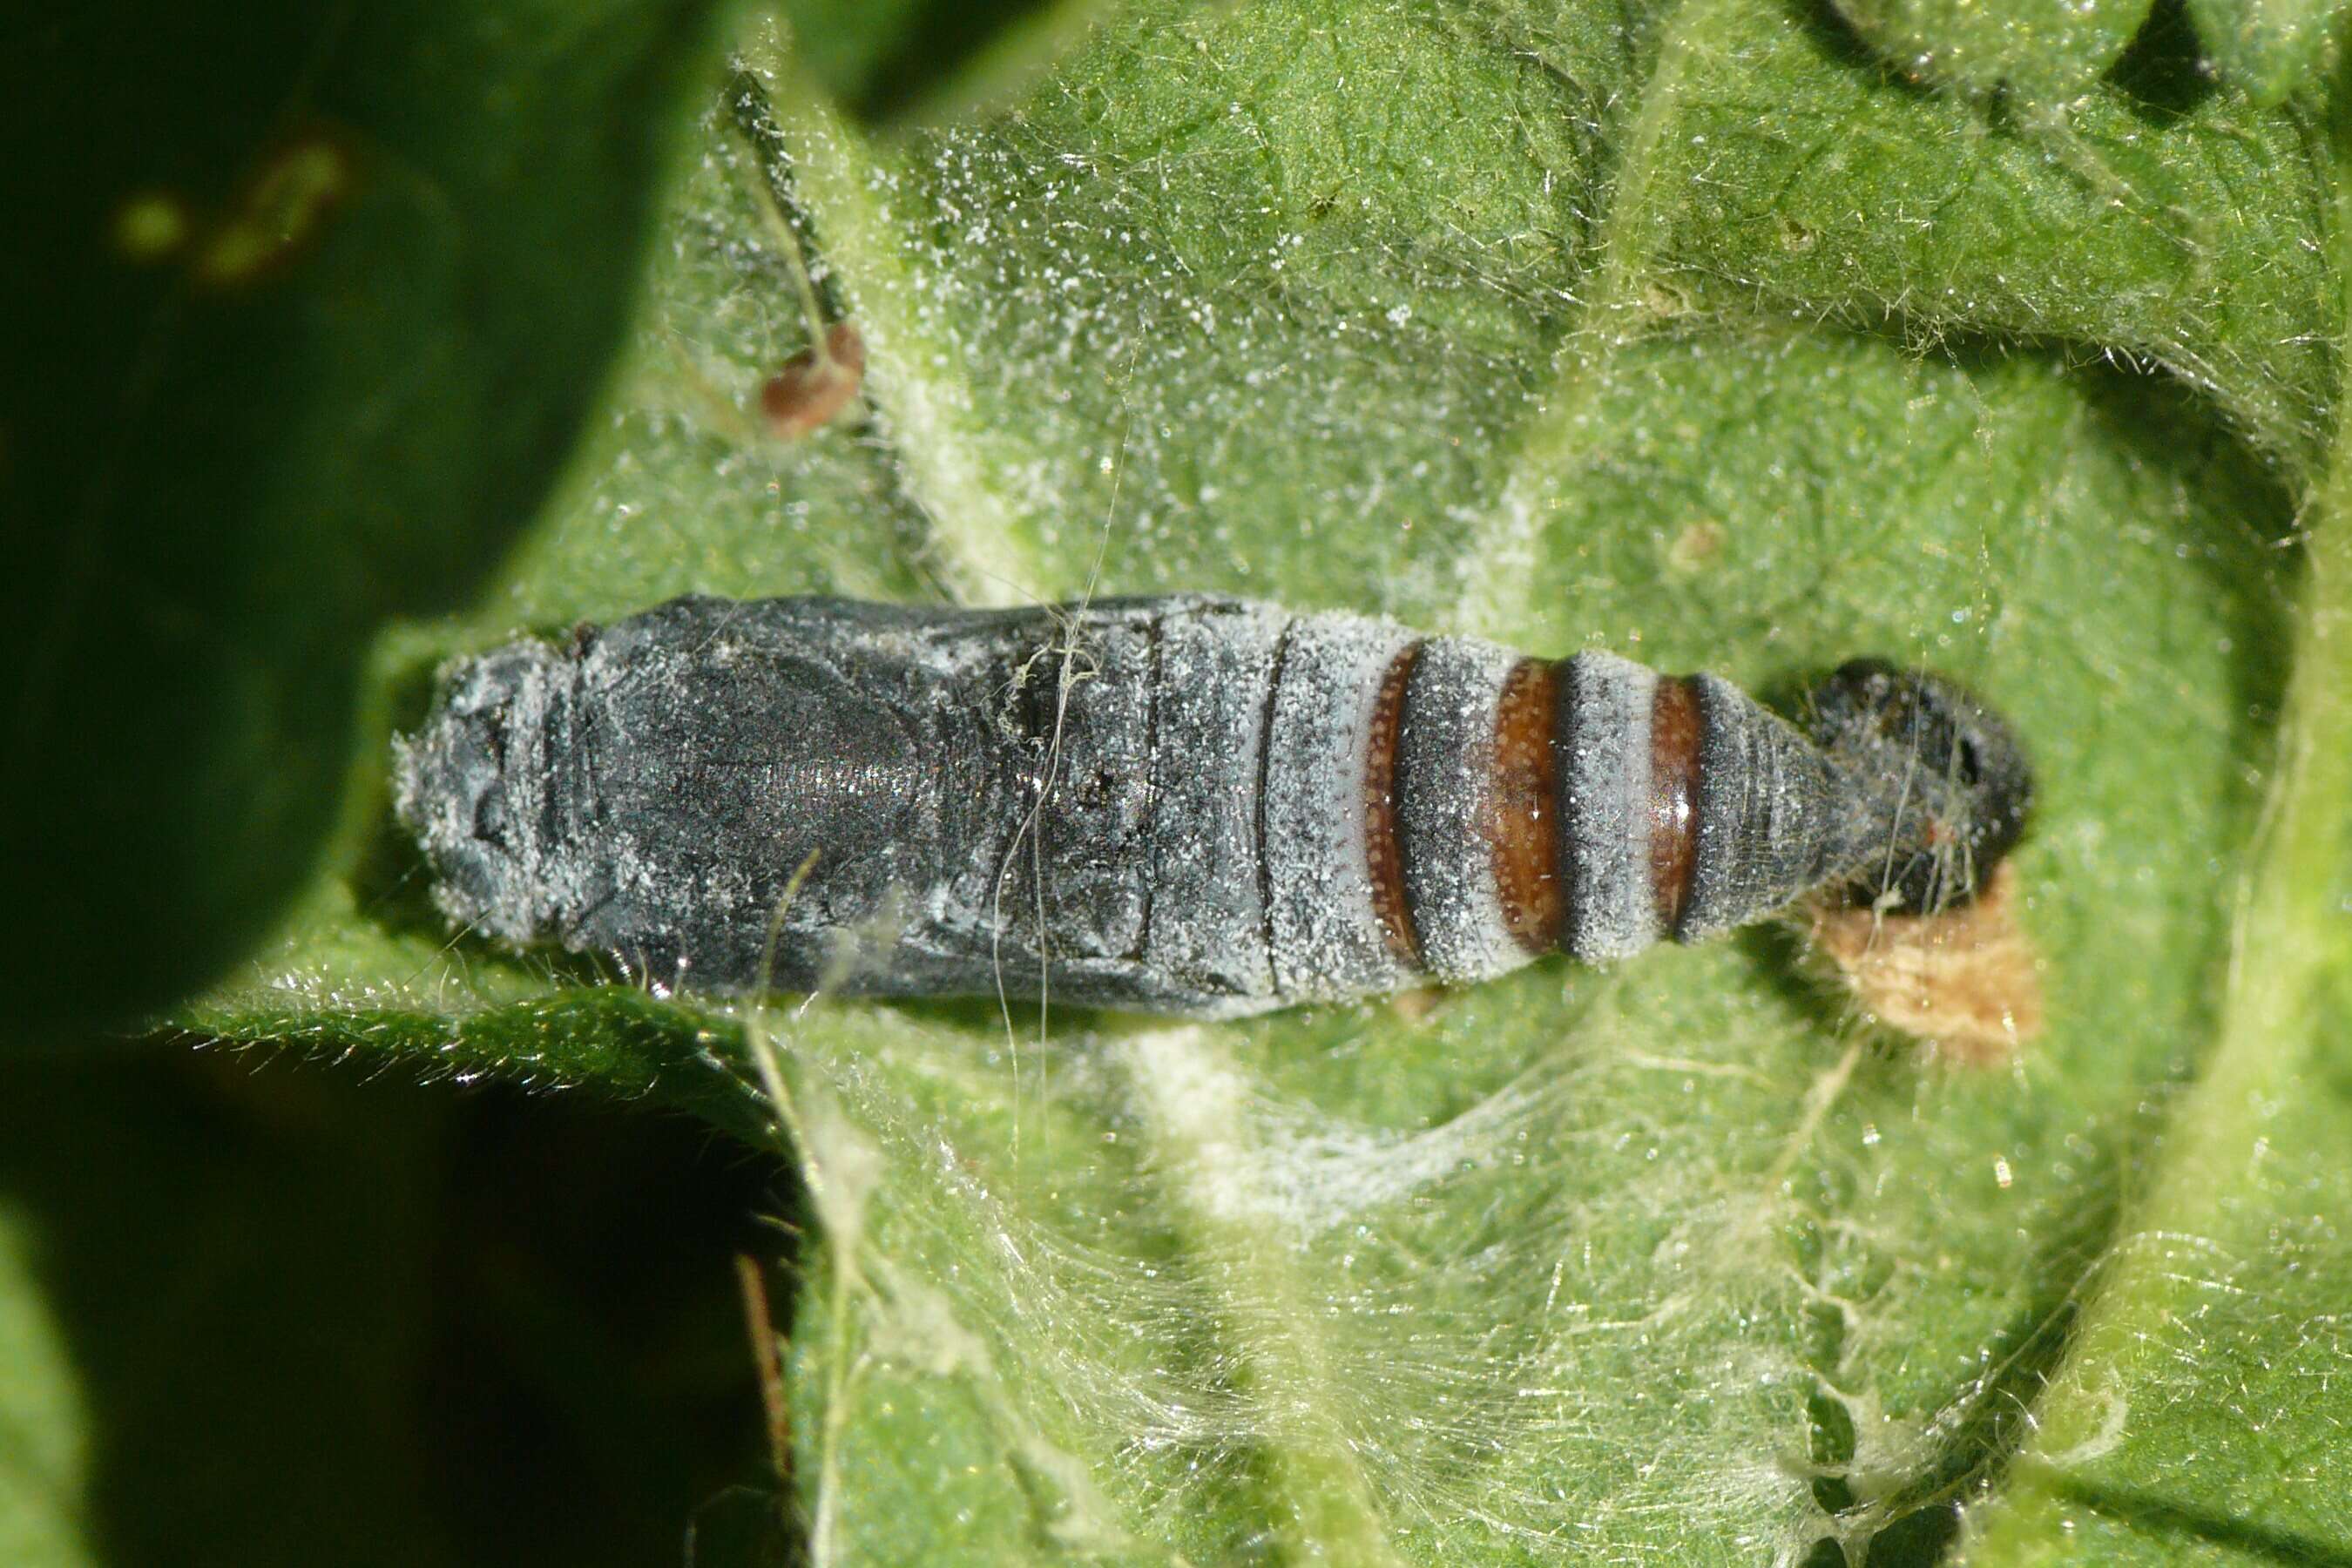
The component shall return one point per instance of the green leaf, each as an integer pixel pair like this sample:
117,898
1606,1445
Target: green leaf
313,308
1694,336
2044,55
2221,1306
902,60
2044,50
2270,49
2162,221
43,1434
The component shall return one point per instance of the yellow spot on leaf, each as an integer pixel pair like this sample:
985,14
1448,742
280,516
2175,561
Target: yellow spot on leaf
149,227
281,212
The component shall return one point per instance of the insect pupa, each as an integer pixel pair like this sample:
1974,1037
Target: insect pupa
1234,808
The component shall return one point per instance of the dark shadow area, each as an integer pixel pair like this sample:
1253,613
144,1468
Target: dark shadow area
326,295
1916,1540
2164,71
1832,33
314,1320
1924,1517
939,39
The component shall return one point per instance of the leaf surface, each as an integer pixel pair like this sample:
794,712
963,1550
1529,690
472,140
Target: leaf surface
1690,334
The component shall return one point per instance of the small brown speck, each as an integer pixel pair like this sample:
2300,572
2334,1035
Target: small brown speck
813,388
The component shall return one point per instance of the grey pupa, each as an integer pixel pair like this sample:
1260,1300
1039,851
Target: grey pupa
1179,805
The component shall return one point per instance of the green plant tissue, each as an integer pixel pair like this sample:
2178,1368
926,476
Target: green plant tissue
1688,332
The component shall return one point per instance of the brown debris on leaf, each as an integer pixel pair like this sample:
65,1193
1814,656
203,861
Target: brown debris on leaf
814,385
1967,981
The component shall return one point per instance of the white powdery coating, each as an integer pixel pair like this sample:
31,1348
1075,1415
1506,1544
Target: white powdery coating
1216,660
1446,757
1326,938
1611,912
442,775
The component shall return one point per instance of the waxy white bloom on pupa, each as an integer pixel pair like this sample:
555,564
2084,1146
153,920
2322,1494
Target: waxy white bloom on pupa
1179,805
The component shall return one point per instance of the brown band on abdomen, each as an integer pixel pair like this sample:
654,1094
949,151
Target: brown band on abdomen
1382,854
1674,797
1519,815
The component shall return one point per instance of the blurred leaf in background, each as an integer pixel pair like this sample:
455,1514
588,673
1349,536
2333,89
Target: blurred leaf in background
313,301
